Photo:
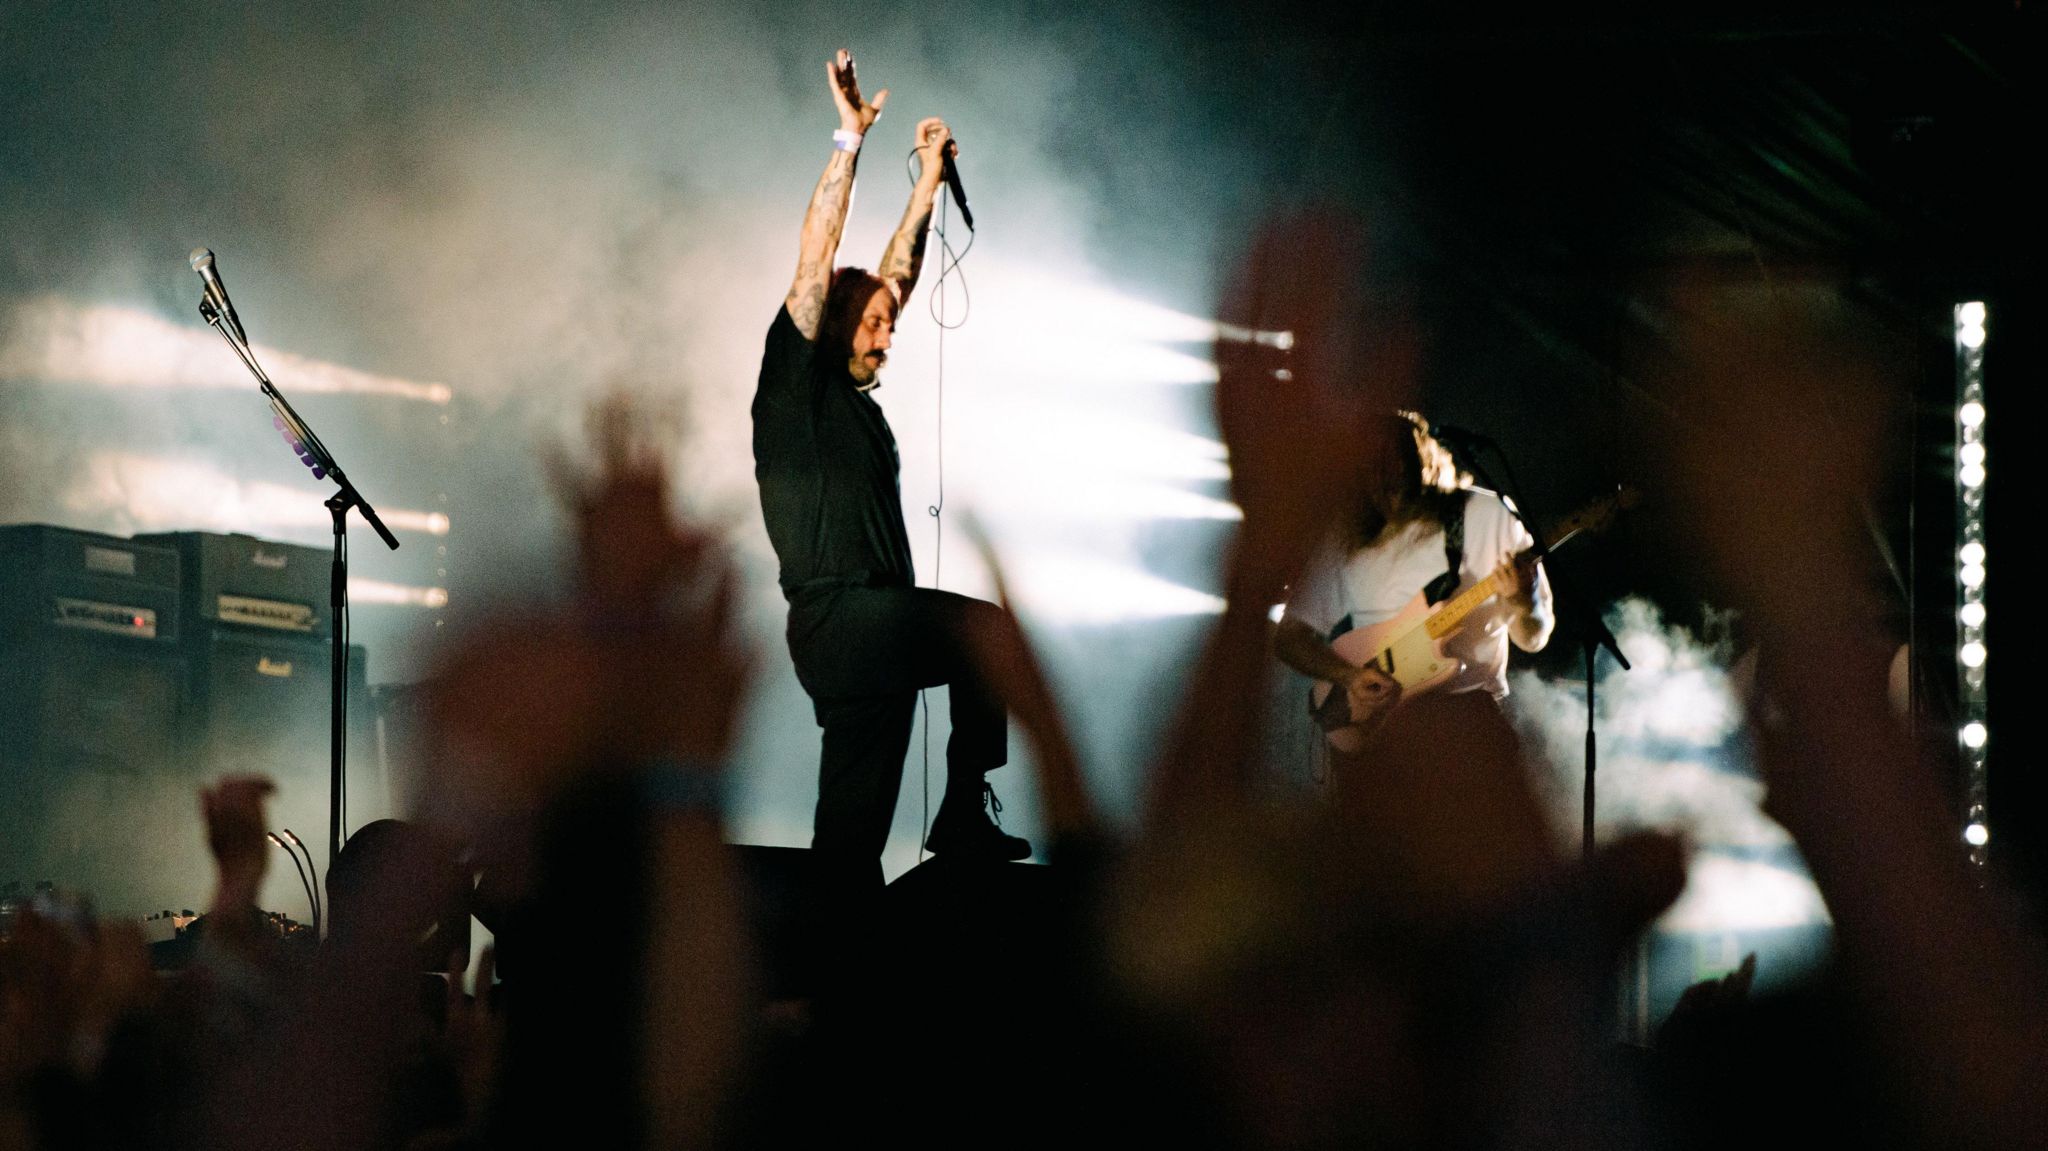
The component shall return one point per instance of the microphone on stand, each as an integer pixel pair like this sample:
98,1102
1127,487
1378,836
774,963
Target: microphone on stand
217,292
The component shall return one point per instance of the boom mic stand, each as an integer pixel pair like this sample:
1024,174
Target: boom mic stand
1575,615
320,461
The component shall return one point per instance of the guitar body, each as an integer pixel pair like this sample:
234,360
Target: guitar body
1400,646
1409,647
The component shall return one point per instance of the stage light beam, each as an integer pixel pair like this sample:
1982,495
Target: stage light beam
58,341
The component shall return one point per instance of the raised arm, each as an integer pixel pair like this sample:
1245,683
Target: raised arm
825,220
904,258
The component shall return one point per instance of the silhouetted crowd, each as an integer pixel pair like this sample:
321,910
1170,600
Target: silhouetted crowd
1406,959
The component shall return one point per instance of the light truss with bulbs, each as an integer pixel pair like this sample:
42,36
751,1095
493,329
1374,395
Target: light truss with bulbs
1973,733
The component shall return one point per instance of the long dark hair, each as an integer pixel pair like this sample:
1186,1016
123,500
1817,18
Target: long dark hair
1416,478
845,301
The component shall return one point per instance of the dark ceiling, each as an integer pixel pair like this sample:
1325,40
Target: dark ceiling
1537,181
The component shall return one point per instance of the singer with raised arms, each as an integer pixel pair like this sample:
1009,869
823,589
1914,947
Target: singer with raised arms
865,639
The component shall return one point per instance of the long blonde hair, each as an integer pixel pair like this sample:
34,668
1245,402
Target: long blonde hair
1415,470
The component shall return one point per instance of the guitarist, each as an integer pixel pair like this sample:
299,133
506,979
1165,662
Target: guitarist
1424,529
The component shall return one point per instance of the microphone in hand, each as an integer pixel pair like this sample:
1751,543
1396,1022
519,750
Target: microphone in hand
952,174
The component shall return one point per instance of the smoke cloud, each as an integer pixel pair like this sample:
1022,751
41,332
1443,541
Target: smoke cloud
1673,756
535,205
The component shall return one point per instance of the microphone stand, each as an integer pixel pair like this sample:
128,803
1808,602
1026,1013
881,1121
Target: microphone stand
320,461
1575,615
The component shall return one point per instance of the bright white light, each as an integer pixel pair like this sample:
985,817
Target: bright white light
1972,615
1971,454
1970,335
127,492
1088,440
1081,590
1972,654
1974,735
1971,475
1971,415
57,341
1971,313
1971,553
1977,835
370,591
1726,894
1083,497
1276,612
425,523
1070,461
1972,575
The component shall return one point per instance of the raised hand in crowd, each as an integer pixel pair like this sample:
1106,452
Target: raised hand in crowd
644,664
1291,407
1776,471
1014,672
235,836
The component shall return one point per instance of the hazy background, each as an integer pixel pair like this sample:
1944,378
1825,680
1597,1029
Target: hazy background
450,227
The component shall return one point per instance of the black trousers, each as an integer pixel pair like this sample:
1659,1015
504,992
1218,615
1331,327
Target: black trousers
863,653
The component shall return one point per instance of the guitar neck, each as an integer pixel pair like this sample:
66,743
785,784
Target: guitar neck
1501,581
1450,615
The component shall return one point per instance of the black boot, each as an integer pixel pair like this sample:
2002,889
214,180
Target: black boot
966,829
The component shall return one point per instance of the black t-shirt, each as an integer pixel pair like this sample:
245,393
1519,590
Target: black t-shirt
826,462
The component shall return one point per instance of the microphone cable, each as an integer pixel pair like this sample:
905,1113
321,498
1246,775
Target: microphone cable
319,904
312,903
935,306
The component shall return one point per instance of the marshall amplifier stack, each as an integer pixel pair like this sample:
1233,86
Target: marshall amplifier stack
133,670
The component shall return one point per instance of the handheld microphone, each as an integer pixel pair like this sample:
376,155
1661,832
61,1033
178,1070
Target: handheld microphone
952,174
217,292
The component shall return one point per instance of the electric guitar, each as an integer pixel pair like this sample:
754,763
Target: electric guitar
1409,646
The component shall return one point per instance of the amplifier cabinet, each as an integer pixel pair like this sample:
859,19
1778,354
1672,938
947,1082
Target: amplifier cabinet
94,793
247,582
260,705
85,582
93,695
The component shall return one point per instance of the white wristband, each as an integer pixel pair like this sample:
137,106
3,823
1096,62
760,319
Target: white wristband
846,141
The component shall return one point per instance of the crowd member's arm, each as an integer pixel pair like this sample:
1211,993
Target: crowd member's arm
904,258
1929,945
233,808
825,220
1293,432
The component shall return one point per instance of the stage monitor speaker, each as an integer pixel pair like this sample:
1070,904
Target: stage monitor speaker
92,694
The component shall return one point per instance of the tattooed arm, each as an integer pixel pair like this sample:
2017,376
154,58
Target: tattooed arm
905,257
826,217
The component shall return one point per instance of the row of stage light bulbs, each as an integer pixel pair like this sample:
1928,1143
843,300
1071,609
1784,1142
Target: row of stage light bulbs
1971,654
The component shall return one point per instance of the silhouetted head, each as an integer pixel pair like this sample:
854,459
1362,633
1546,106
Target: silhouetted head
397,884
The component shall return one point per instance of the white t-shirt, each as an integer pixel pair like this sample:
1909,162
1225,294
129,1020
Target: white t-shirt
1374,583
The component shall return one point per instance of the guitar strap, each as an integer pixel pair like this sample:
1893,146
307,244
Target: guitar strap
1445,586
1335,711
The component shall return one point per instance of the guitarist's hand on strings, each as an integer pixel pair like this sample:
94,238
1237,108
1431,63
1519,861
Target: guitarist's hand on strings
1530,629
1528,570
